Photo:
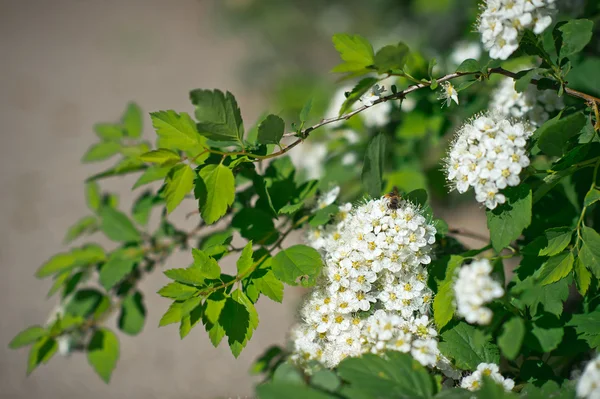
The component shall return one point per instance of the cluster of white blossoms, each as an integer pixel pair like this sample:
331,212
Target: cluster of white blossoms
488,154
501,22
473,381
473,288
372,295
588,385
532,105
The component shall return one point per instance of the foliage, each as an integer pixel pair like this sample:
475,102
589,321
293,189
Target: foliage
246,186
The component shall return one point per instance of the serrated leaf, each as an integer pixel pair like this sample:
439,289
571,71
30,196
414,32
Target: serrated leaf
270,130
153,173
587,326
215,191
176,130
191,275
132,120
511,339
576,34
93,196
278,390
133,314
161,156
237,346
583,277
41,352
245,262
179,182
558,239
550,296
188,322
554,134
372,171
393,375
469,66
117,226
556,268
270,286
207,265
391,57
468,347
355,50
590,250
103,353
109,131
297,261
507,221
172,315
177,291
218,115
101,151
235,320
591,197
27,336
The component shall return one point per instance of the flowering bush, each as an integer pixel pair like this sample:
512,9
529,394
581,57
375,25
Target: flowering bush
398,306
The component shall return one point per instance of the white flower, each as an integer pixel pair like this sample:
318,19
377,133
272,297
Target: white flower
372,95
328,197
502,21
473,381
448,94
488,154
474,288
588,385
531,104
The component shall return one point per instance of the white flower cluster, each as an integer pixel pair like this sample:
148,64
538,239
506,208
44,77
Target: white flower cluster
588,385
473,288
533,105
501,22
372,295
473,381
488,154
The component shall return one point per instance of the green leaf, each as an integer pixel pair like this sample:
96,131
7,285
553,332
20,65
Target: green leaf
153,173
117,226
443,302
394,375
236,320
179,182
270,286
57,263
297,261
583,277
507,221
176,130
215,191
103,353
511,339
93,196
469,66
118,265
391,57
192,275
550,296
591,197
101,151
188,322
84,302
133,314
468,347
555,133
87,224
270,130
325,379
372,171
587,326
546,339
355,50
172,315
212,314
306,110
278,390
177,291
556,268
576,34
132,120
590,250
109,131
161,156
59,281
27,336
356,93
524,79
218,115
558,239
142,208
41,352
206,264
245,262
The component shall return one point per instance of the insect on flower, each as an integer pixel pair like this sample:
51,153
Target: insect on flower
394,198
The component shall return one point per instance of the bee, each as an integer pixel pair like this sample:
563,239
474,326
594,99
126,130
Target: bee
394,199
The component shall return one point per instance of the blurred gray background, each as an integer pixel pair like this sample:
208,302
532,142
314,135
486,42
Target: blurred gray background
64,66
